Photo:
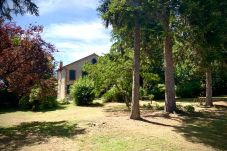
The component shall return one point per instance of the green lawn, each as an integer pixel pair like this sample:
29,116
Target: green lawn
108,128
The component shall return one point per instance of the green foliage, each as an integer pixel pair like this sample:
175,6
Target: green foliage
47,102
158,106
219,82
186,108
144,95
159,91
36,103
41,97
113,69
143,92
199,40
8,9
204,23
154,106
202,37
34,96
149,97
113,95
189,89
66,100
189,108
82,91
148,106
24,103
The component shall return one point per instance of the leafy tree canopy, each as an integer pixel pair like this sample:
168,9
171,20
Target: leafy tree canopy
10,7
25,58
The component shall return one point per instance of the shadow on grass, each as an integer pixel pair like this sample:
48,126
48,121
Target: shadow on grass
96,104
117,110
209,128
157,123
14,138
8,110
220,106
185,100
11,110
58,107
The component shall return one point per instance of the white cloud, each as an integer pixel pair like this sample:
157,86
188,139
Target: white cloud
80,51
46,6
85,31
78,39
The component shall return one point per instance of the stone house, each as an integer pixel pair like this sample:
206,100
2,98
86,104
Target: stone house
67,74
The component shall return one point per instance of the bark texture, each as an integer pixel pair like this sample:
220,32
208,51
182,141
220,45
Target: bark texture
135,111
209,101
170,103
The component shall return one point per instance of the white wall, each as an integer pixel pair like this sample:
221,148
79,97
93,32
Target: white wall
63,76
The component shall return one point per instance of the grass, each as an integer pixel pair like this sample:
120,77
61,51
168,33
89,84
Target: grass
25,134
118,140
108,128
209,128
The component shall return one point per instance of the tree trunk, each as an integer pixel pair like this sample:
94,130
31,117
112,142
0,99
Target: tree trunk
135,111
170,103
209,101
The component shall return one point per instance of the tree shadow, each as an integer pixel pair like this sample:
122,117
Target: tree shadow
11,110
220,106
96,104
14,138
8,110
209,128
58,107
157,123
162,115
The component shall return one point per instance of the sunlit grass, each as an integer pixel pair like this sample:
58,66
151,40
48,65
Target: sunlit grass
97,128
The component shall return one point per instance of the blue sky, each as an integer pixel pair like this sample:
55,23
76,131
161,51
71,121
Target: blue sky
73,26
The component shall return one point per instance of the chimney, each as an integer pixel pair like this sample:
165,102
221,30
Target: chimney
60,65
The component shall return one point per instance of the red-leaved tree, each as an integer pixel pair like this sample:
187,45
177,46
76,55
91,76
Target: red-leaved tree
25,58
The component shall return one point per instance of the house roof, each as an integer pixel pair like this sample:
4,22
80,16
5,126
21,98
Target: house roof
80,60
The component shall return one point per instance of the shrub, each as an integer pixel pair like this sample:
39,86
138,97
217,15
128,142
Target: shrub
158,107
179,107
48,94
66,100
47,102
42,98
159,91
24,103
82,91
34,97
147,106
143,93
189,108
148,97
189,89
113,95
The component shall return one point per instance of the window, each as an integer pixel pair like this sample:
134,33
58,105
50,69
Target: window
93,61
72,75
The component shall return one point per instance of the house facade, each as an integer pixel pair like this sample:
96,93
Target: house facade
67,74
